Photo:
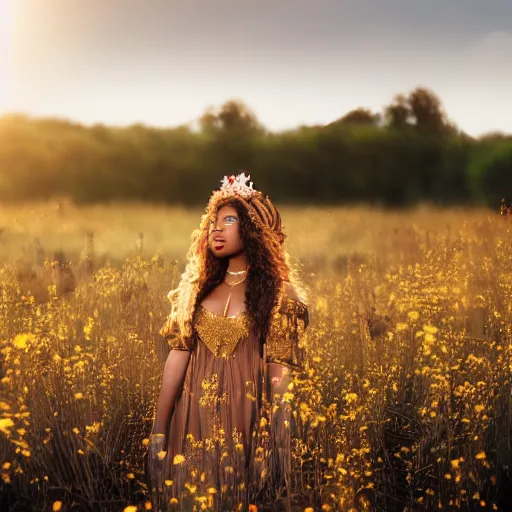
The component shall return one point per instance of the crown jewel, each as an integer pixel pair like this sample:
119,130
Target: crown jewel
236,185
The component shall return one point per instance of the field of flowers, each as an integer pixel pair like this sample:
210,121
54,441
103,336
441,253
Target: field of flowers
404,403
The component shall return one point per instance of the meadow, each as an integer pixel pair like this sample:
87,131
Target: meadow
404,403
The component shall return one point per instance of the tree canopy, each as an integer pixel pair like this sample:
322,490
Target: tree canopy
408,152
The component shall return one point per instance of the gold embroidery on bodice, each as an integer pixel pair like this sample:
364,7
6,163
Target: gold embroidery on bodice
219,333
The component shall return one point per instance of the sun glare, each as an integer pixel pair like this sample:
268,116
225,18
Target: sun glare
5,52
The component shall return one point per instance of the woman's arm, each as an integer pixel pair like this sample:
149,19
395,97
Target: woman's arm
174,374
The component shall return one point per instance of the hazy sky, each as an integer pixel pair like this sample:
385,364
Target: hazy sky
163,62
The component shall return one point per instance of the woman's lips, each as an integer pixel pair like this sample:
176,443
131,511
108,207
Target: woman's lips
218,243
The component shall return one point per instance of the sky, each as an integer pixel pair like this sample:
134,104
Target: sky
292,62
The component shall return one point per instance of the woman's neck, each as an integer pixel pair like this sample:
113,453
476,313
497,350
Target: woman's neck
237,262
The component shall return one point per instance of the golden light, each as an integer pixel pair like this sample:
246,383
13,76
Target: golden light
5,52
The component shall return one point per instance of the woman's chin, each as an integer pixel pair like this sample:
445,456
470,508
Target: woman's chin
222,253
225,252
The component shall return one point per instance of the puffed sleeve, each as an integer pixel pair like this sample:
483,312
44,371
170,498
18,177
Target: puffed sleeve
170,330
285,342
172,334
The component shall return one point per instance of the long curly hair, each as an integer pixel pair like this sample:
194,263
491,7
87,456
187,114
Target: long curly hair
271,269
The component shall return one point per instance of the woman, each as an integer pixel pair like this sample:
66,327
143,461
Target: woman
222,430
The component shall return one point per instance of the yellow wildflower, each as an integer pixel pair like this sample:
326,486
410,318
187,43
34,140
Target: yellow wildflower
178,459
20,341
429,338
351,397
192,488
6,423
413,316
455,463
430,329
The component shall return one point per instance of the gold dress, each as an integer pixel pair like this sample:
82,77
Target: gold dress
224,446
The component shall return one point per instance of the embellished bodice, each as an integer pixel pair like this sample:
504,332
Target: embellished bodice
221,334
286,340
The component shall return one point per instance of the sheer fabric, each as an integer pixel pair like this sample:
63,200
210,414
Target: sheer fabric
215,437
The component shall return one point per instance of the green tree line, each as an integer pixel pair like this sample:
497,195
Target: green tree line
410,152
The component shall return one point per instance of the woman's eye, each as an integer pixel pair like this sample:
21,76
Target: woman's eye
230,220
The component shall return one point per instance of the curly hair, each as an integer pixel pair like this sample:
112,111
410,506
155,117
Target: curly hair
271,273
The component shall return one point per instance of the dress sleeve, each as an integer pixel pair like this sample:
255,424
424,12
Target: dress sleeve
285,342
171,333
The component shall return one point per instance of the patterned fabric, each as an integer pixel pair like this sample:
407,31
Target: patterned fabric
221,334
284,343
172,334
285,340
226,418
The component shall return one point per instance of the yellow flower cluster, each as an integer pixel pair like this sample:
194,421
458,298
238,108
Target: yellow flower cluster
408,369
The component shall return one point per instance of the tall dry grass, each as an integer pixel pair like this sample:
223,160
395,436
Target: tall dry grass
403,405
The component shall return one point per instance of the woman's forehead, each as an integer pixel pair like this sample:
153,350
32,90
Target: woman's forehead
227,209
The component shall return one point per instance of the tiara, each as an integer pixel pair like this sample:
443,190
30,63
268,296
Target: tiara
236,186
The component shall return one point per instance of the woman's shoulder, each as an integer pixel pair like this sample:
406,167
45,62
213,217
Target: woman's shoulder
290,294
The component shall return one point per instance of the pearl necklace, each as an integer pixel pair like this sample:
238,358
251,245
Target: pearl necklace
238,273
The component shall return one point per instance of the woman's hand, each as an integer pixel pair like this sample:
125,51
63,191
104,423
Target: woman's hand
280,379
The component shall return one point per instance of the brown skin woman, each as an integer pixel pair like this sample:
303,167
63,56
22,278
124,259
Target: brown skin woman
236,321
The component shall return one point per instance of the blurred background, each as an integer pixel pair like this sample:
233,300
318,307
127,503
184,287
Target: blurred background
387,102
382,129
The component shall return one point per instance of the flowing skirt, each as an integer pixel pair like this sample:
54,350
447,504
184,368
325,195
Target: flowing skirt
225,444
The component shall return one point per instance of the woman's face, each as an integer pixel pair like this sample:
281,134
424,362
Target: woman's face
224,237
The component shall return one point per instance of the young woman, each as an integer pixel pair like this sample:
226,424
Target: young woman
235,332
